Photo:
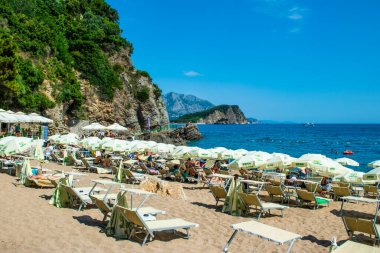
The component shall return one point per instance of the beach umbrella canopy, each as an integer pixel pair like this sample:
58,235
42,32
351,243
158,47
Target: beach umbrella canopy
91,143
115,145
162,148
374,164
329,167
347,161
7,118
308,160
18,145
280,161
4,140
38,152
260,154
35,118
54,138
355,177
22,117
104,140
229,154
181,151
94,127
246,162
372,175
26,171
69,139
117,128
241,151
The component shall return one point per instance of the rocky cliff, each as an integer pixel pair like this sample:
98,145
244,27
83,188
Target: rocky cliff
222,114
179,136
180,104
68,61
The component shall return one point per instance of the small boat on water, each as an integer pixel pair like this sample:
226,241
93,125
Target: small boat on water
308,124
348,152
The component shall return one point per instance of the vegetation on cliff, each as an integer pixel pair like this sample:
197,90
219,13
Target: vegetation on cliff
196,117
55,40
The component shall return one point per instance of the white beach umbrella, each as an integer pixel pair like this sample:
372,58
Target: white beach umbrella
54,138
247,162
347,161
69,139
329,167
229,154
280,161
7,118
94,127
139,147
374,164
91,143
372,175
117,128
181,151
104,140
18,145
161,148
260,154
355,177
115,145
241,151
36,118
4,140
308,160
38,152
22,117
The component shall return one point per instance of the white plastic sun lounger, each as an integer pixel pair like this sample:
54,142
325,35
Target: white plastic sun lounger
265,232
350,247
149,227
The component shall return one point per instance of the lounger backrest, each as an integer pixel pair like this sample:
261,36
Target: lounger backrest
129,174
359,225
114,169
250,199
341,191
209,163
71,160
370,189
343,184
218,191
274,190
313,187
207,171
85,162
275,182
305,195
100,204
131,216
224,172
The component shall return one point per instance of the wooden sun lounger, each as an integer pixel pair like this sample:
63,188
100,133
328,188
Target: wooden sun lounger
254,200
265,232
80,195
350,247
149,227
218,192
134,177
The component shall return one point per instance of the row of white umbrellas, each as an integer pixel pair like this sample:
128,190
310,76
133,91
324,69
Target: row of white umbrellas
12,145
96,127
20,117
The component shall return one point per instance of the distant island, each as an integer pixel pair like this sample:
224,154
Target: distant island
181,104
221,114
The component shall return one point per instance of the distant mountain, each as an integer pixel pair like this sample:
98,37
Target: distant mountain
252,120
221,114
180,104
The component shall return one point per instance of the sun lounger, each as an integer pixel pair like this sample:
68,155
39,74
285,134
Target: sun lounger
134,178
274,190
57,159
265,232
80,197
254,200
39,183
353,224
341,192
370,191
97,169
218,192
72,161
310,199
149,227
351,247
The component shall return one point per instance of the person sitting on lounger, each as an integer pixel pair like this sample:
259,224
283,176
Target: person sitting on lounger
107,162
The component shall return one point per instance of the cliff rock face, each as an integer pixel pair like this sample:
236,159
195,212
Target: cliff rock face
222,114
180,104
178,136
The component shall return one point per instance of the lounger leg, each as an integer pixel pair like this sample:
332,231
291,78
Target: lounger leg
258,217
291,246
146,237
80,207
225,249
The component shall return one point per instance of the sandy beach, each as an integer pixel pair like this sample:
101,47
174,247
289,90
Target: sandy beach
30,224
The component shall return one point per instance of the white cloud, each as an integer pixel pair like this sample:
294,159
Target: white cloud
191,73
295,16
296,13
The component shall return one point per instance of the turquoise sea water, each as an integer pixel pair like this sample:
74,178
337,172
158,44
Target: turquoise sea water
295,139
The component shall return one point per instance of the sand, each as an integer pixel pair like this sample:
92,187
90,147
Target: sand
30,224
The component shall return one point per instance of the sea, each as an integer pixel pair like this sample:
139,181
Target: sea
296,139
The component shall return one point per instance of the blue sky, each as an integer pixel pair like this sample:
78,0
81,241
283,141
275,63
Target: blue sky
315,60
